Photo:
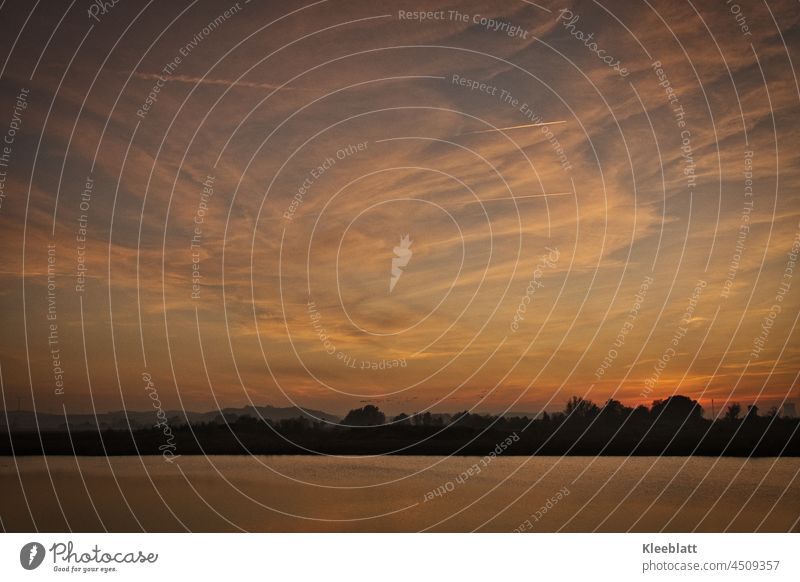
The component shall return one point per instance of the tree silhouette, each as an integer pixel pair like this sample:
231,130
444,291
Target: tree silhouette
614,411
676,409
733,412
640,415
580,409
368,416
402,419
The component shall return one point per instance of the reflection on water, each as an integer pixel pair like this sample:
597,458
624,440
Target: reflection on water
299,493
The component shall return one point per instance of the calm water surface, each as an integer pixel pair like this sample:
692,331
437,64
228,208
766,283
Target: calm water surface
302,493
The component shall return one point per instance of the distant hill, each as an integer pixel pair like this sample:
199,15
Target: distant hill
26,420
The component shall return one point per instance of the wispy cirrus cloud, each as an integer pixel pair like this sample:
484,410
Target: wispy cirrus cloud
621,213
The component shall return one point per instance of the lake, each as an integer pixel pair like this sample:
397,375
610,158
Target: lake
390,494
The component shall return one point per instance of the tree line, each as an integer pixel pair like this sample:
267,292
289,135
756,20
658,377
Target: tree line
670,426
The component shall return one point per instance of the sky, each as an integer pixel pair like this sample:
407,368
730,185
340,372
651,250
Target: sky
319,204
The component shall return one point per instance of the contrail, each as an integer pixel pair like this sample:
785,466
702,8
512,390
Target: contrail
513,127
544,195
206,81
523,197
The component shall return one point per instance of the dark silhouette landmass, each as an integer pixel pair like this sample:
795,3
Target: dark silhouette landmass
26,420
673,426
